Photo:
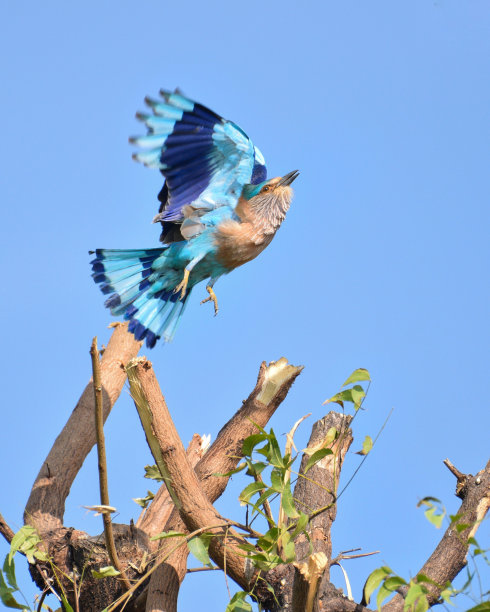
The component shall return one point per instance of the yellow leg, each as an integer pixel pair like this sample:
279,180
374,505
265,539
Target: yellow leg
212,298
182,286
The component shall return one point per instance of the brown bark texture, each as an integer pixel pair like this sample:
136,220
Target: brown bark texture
155,569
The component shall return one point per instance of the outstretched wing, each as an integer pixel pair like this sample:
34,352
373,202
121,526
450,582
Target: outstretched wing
205,159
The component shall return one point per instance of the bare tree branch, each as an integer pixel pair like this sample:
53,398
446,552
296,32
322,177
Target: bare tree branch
46,505
102,464
183,484
449,558
161,506
273,383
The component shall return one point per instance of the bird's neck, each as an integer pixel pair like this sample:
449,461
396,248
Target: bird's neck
267,213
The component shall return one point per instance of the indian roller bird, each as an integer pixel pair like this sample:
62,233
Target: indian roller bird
217,212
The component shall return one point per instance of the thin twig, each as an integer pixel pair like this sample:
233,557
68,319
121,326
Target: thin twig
365,456
77,607
103,485
5,530
192,570
41,600
224,566
343,556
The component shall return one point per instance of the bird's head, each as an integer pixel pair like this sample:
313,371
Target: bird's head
275,193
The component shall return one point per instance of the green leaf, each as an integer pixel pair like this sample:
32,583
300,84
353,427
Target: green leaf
66,605
265,495
277,479
198,546
301,524
251,442
414,593
316,457
276,457
433,514
255,468
168,534
26,541
105,572
144,501
357,376
374,580
238,603
394,582
484,606
383,593
367,446
288,504
249,491
289,551
268,541
152,471
6,596
9,571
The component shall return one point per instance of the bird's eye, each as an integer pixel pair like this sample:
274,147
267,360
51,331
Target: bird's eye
266,188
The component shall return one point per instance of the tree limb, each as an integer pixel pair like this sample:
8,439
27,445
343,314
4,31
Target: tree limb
46,505
273,383
449,557
183,484
5,530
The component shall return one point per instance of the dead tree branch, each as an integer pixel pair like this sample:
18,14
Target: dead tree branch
46,505
449,558
195,510
273,383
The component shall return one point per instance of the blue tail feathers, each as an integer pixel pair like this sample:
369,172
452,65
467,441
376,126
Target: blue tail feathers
137,289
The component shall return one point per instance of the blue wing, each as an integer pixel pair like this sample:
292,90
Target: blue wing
205,159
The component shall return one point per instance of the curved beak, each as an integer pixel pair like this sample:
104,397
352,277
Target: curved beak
288,178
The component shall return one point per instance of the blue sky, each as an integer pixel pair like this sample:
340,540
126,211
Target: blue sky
381,263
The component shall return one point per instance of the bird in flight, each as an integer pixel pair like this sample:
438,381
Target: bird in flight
217,211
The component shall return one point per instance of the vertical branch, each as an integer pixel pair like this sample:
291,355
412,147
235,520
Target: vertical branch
46,505
101,456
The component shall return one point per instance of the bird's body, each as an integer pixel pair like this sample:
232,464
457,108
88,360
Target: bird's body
217,213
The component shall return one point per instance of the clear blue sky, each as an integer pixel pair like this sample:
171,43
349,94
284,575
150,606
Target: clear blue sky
382,262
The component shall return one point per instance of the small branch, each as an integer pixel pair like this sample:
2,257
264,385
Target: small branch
459,475
5,530
203,569
449,557
343,556
46,505
103,484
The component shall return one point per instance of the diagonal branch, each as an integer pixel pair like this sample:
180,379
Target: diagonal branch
449,557
273,383
181,480
46,505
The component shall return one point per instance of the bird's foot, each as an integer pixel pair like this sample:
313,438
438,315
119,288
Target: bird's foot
212,298
182,286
